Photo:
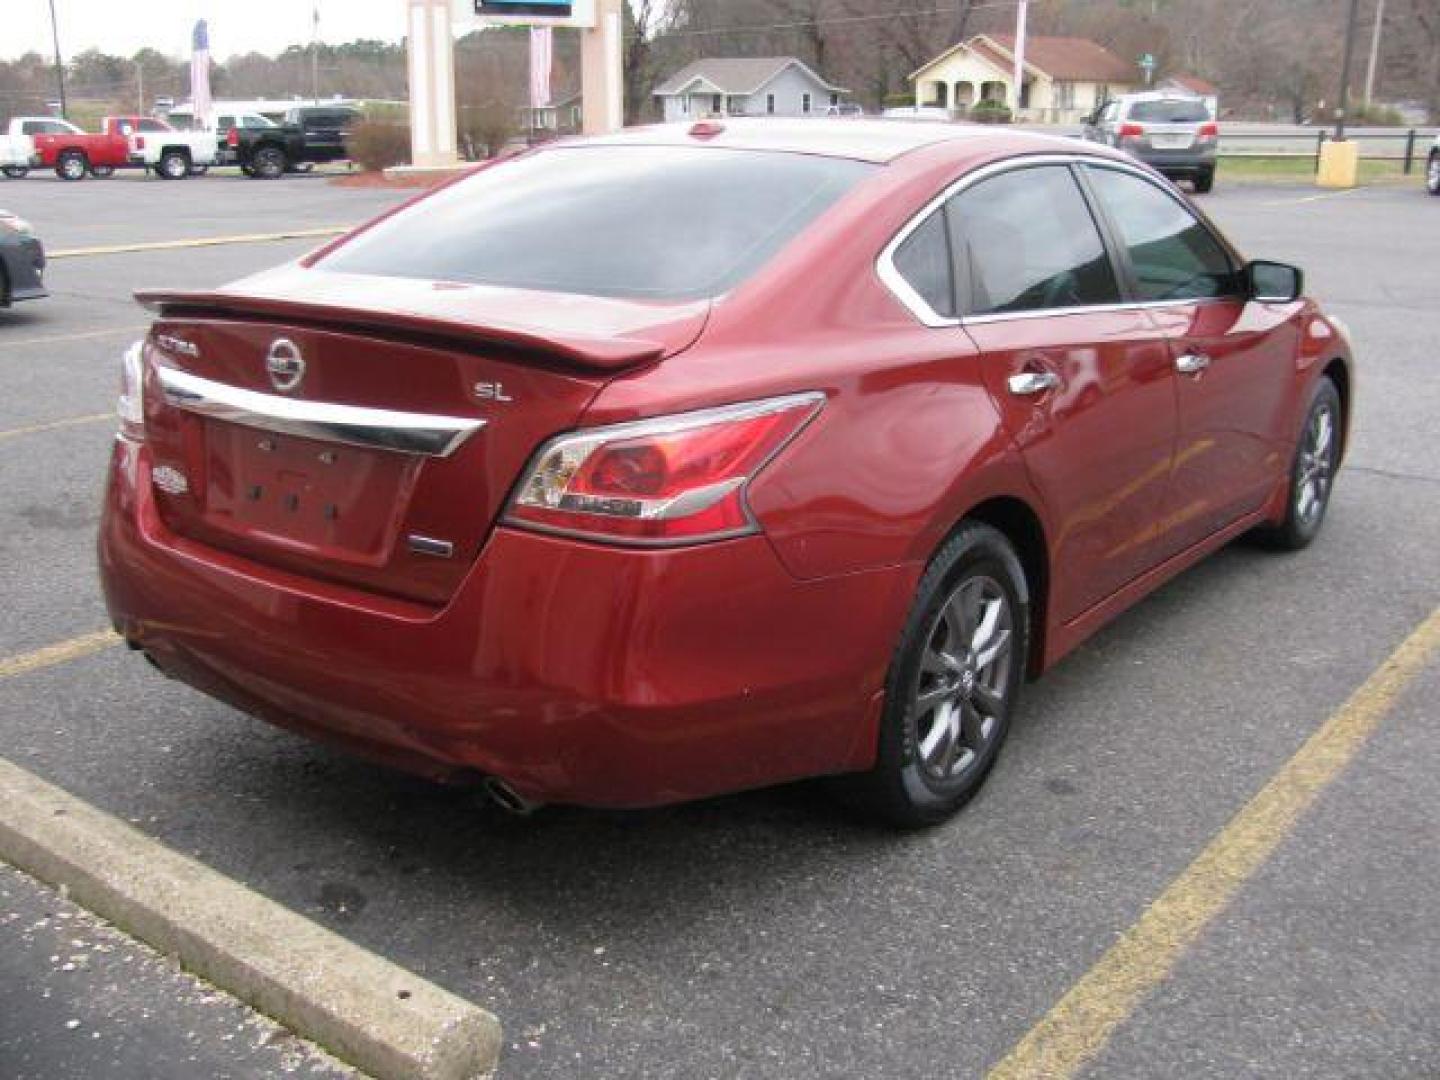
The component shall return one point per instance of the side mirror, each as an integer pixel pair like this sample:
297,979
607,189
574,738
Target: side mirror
1273,282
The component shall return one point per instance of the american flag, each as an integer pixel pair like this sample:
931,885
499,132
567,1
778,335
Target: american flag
542,54
200,73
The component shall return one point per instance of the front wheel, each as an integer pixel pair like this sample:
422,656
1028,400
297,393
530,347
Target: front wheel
173,165
953,682
1432,174
269,163
72,165
1312,473
1205,181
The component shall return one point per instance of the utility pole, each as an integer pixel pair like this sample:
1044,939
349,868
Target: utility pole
1374,52
59,64
1345,71
139,88
1021,28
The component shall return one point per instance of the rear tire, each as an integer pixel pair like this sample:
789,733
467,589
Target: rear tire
15,172
173,165
1205,181
1312,472
953,683
72,165
268,163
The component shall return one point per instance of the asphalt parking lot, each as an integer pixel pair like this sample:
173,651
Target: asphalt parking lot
767,934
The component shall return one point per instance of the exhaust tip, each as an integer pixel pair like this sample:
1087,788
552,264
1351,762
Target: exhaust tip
508,799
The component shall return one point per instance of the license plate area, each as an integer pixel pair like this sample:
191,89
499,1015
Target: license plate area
1172,142
328,499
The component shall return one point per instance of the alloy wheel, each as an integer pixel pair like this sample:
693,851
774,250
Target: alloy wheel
1316,467
959,697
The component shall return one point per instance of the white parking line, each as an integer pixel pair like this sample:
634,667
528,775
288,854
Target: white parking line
88,335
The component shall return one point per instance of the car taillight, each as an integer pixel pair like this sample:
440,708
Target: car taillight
673,480
130,407
1210,130
232,137
1132,131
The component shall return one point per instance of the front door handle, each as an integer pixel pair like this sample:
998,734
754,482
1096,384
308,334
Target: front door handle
1192,363
1028,383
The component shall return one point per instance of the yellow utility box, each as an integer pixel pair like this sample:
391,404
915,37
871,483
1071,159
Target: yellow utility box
1339,165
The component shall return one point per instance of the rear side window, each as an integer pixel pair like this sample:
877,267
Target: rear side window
924,261
1169,112
1172,255
666,223
45,127
1025,241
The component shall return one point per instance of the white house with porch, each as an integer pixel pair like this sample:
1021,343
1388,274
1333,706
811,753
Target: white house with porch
1065,78
758,86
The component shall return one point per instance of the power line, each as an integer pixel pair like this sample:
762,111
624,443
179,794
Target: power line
834,20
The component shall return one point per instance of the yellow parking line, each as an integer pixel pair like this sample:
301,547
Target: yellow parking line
56,425
88,335
51,655
1081,1023
200,241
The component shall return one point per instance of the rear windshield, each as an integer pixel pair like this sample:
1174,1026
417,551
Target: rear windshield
668,223
1170,112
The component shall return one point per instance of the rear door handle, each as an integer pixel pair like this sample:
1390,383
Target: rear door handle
1191,363
1029,383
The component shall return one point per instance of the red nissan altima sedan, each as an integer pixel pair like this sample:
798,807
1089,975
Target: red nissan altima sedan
693,459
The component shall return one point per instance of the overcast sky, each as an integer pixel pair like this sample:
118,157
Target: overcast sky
236,26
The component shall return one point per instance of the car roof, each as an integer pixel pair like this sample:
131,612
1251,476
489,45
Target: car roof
879,141
1158,95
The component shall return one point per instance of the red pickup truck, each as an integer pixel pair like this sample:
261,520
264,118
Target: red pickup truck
126,142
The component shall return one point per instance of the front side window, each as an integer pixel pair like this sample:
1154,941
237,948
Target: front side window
1025,241
1172,255
666,223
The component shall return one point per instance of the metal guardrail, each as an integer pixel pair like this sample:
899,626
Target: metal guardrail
1407,146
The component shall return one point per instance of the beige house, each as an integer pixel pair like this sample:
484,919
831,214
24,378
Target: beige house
1065,78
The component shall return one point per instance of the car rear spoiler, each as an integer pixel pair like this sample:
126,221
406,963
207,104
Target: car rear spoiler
579,351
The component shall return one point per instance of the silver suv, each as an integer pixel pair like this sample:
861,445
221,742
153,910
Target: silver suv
1173,133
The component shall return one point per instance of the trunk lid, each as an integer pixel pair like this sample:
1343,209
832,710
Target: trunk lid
372,444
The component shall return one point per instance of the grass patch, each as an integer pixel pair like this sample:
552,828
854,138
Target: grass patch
1302,169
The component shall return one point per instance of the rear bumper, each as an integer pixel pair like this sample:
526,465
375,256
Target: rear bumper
24,268
575,672
1179,162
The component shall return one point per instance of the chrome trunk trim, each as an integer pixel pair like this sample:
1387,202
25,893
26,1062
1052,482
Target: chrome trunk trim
424,434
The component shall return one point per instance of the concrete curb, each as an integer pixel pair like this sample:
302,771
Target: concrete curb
363,1009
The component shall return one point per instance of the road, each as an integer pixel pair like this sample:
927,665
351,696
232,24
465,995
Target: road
768,934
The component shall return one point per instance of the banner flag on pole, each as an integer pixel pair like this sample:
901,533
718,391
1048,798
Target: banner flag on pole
200,75
542,55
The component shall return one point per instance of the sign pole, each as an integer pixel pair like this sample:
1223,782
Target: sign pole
602,73
432,84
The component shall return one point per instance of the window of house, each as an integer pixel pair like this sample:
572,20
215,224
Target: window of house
1173,256
717,103
805,104
770,104
834,99
1025,240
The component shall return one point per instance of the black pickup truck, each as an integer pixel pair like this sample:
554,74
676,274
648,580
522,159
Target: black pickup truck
265,149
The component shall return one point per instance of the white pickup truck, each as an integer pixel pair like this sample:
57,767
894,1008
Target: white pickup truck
17,147
157,145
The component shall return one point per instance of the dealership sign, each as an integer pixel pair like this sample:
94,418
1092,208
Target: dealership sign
477,13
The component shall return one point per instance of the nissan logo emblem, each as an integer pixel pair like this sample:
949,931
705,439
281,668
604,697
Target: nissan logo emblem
285,364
